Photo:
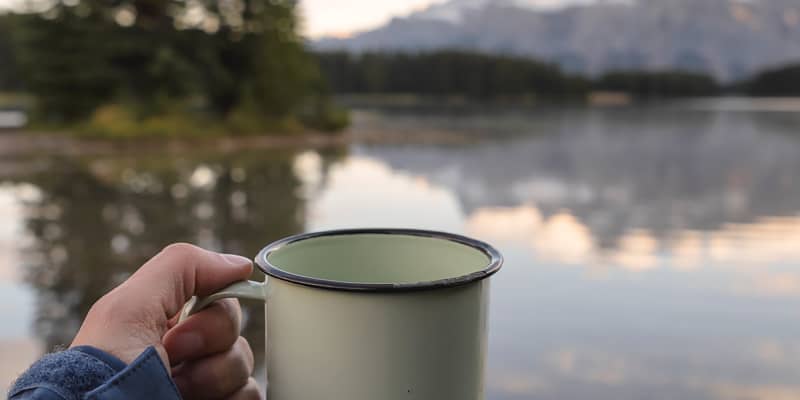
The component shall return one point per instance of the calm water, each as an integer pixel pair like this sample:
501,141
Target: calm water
651,253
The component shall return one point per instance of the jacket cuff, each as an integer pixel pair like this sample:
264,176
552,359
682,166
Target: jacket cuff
69,374
145,378
115,363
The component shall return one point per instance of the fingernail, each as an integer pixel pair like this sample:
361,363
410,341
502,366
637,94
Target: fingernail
236,260
185,345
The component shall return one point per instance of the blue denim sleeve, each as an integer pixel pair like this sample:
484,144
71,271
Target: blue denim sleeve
88,373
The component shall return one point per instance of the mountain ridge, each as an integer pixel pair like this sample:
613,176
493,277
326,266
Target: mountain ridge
729,39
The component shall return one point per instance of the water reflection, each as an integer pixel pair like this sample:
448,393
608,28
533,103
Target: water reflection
93,221
651,253
663,171
366,192
565,239
16,301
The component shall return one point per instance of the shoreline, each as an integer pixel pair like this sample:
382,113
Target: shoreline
22,142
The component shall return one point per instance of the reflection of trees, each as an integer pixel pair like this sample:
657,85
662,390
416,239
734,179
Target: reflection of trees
99,219
72,264
662,171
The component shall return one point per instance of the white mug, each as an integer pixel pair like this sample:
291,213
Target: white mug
372,314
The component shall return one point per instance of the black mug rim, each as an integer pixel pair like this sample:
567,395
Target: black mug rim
494,263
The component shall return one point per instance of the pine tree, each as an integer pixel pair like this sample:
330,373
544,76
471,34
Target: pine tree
238,58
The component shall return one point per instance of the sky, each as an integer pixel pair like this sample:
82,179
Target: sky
344,17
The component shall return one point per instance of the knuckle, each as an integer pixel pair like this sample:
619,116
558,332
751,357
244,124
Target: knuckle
241,361
241,367
247,353
104,305
180,249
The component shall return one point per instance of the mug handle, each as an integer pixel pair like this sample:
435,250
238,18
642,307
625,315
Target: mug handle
243,290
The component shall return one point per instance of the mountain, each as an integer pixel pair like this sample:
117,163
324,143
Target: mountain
727,38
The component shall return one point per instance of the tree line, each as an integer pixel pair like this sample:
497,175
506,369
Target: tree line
781,82
442,73
492,77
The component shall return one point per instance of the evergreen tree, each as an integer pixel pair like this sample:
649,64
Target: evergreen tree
237,58
659,83
9,76
784,81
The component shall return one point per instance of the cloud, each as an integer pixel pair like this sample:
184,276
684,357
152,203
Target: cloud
343,17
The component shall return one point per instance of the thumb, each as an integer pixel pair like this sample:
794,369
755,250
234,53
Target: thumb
181,271
136,314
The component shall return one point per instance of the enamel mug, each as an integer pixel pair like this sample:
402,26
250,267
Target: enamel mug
373,314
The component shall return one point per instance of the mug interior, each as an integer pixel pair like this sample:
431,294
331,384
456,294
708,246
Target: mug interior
379,258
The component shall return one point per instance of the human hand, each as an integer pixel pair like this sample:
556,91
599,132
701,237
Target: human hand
207,357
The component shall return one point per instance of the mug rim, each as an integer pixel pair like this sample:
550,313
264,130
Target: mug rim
495,261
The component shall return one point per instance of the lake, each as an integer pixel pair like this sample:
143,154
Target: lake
652,252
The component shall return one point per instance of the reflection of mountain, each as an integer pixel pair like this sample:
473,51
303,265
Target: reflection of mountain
621,170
